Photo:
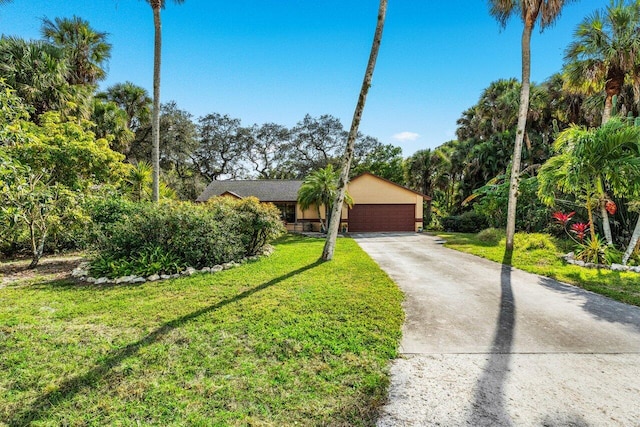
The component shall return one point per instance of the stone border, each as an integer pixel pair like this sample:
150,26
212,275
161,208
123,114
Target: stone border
570,259
82,272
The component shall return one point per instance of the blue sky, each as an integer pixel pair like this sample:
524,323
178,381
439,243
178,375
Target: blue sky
277,60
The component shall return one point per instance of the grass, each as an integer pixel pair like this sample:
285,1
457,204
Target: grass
540,254
286,340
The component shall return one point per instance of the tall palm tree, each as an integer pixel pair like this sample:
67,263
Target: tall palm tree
336,212
156,6
87,50
530,11
605,52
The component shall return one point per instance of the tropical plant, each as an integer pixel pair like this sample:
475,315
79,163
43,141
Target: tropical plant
546,11
319,189
27,200
605,53
86,50
111,124
336,212
37,72
609,155
156,6
134,100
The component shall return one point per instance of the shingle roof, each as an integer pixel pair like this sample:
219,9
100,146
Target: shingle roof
266,190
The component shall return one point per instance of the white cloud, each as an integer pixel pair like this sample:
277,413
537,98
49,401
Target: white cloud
406,136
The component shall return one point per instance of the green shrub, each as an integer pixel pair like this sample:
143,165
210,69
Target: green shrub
593,250
147,238
533,241
491,236
468,222
612,255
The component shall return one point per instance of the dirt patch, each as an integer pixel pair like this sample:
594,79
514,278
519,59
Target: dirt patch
51,268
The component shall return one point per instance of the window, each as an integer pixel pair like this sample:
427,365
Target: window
287,211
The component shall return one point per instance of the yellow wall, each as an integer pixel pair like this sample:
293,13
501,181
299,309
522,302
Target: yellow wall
368,189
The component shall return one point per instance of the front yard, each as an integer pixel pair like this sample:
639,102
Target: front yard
281,341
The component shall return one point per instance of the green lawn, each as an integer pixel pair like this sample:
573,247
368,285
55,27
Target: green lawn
281,341
541,255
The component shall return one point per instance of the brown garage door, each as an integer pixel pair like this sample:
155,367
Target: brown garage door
382,218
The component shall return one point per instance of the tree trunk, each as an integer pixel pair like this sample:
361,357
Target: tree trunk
155,121
613,87
37,246
615,80
606,227
632,244
592,229
520,132
336,211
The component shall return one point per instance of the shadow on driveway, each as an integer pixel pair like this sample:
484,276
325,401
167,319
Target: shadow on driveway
598,306
488,408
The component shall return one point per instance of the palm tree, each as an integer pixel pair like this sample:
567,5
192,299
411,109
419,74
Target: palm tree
37,71
86,49
530,11
588,160
336,212
133,99
318,189
605,53
156,6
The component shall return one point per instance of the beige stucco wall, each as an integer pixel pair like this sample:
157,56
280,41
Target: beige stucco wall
368,189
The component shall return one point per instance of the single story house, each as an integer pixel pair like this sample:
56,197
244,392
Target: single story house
379,204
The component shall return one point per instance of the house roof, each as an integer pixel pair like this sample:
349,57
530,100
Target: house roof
266,190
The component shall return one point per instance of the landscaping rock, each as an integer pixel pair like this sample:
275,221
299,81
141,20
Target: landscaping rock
205,270
635,269
175,276
138,280
153,278
216,268
589,265
101,281
124,279
91,279
619,267
79,272
165,276
579,263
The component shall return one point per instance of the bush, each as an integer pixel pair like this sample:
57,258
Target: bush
533,241
491,236
468,222
148,238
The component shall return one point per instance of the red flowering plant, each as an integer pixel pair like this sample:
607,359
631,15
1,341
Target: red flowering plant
562,217
580,229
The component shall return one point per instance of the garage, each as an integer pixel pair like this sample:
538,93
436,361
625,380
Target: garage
379,217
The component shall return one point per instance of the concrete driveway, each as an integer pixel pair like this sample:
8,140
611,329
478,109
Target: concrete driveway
487,345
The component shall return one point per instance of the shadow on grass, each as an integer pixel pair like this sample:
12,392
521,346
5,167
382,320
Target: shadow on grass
69,388
489,401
